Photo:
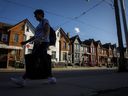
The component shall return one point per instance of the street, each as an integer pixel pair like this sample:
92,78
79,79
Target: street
69,83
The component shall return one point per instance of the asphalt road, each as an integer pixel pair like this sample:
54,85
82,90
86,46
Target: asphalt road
103,82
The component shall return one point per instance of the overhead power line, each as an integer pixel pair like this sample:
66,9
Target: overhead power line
9,18
19,4
88,10
30,7
55,14
83,13
110,4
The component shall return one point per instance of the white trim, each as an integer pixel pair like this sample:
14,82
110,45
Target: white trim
14,47
9,47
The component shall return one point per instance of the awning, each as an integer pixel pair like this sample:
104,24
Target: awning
4,46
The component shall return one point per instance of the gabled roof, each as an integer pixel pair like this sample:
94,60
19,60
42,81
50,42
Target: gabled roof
23,21
72,39
107,45
88,42
98,43
64,34
113,46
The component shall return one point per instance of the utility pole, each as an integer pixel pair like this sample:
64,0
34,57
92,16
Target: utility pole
121,67
124,21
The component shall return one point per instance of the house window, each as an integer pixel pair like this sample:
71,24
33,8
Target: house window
68,46
92,50
87,49
82,49
64,45
53,54
64,56
77,57
77,47
4,38
16,37
110,52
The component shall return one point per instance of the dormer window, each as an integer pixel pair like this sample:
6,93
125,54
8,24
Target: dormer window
27,29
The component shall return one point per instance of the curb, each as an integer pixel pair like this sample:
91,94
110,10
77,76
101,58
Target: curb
58,69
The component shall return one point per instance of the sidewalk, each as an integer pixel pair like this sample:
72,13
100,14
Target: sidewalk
98,83
12,69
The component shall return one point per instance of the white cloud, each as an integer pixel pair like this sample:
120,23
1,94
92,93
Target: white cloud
77,30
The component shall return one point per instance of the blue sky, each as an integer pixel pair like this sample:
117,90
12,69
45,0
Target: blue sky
94,19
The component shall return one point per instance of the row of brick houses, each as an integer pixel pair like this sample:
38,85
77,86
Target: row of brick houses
68,50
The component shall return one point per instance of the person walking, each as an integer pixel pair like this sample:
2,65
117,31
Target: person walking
41,46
